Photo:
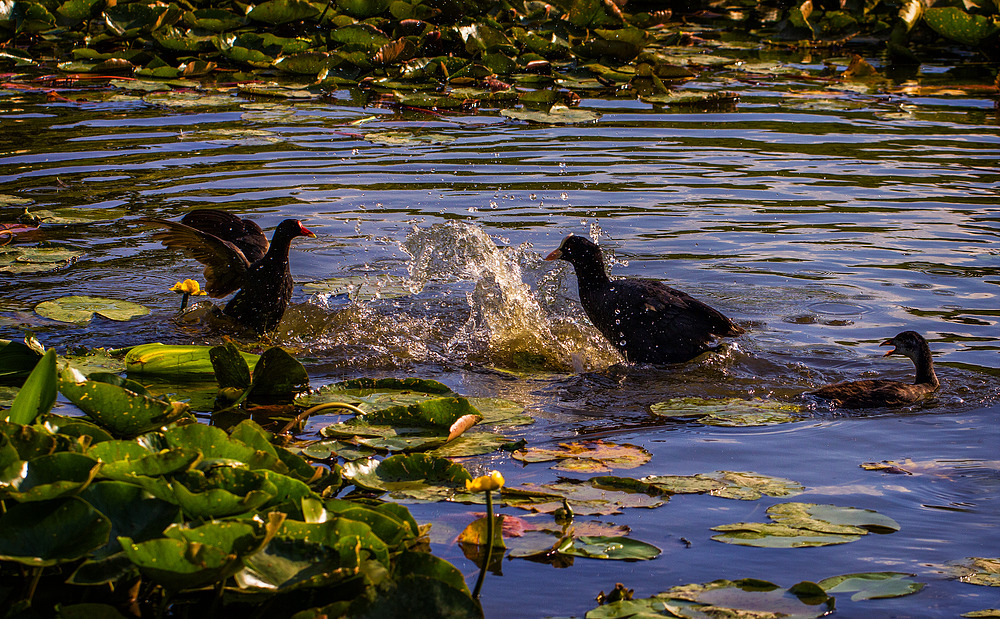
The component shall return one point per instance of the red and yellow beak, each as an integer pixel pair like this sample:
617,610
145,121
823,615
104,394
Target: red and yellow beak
889,342
306,231
555,255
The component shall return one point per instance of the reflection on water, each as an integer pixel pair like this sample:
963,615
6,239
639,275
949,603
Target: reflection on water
822,222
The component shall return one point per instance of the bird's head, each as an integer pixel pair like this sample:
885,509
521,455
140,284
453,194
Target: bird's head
577,250
907,344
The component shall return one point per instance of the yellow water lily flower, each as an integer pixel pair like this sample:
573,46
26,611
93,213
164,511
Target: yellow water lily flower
493,481
188,286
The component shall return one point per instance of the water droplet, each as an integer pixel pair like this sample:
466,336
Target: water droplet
562,166
564,196
532,197
493,204
473,209
354,152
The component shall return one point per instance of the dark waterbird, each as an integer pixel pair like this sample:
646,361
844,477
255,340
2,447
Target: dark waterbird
237,256
645,320
882,392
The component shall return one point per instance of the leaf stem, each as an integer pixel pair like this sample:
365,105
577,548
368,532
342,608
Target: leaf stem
489,546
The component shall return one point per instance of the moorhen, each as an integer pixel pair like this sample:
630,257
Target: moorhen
881,392
237,256
645,320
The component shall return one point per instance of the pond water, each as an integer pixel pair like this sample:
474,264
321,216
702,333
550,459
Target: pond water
822,220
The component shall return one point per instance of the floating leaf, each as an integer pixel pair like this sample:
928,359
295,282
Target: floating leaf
414,475
81,309
175,362
729,412
799,525
872,585
588,456
978,571
744,486
556,115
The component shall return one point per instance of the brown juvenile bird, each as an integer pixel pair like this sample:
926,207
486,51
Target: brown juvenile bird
881,392
237,256
647,321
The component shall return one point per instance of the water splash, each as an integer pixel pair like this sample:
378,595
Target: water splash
507,323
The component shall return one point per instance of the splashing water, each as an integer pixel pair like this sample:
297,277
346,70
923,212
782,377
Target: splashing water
507,324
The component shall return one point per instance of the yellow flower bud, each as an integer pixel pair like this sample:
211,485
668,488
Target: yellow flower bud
188,286
493,481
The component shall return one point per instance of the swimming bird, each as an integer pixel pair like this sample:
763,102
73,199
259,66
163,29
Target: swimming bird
238,257
882,392
647,321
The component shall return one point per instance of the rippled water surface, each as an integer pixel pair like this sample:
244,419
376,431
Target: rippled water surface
822,221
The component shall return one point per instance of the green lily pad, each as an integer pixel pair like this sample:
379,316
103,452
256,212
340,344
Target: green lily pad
46,533
35,259
419,476
958,25
50,476
729,412
556,115
747,597
81,309
405,138
176,362
121,411
800,525
872,585
130,510
693,98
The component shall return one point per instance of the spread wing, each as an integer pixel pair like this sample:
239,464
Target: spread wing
225,264
243,233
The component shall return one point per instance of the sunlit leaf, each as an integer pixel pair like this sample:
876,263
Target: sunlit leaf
81,309
38,394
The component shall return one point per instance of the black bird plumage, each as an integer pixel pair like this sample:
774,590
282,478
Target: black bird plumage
647,321
238,257
884,392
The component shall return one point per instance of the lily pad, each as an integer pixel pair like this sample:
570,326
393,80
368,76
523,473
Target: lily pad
729,412
747,597
588,456
46,533
800,525
744,486
81,309
419,476
978,571
872,585
123,412
362,287
556,115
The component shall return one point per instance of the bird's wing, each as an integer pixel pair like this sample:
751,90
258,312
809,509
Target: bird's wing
685,314
246,235
225,264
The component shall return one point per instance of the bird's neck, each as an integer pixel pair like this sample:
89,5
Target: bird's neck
593,273
925,368
278,251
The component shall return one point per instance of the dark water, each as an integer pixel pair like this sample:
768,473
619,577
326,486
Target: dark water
824,221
